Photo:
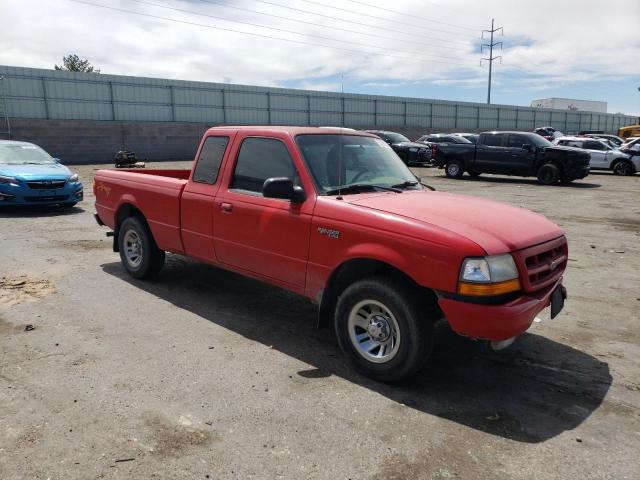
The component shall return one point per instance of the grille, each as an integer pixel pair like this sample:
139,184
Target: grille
543,264
46,184
49,198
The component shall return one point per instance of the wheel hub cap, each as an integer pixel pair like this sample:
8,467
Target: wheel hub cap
379,328
374,331
132,248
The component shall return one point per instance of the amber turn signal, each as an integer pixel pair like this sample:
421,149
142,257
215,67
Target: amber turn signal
488,289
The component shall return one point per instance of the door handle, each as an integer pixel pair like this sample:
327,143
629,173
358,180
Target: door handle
226,207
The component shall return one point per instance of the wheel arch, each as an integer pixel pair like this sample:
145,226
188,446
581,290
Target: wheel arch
125,210
355,269
618,160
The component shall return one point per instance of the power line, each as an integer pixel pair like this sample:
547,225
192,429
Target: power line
411,15
491,58
353,22
377,17
331,27
191,12
185,22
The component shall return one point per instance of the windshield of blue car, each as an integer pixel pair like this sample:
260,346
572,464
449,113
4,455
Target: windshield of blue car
24,155
338,161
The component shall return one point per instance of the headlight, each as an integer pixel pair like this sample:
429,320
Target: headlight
73,178
4,180
488,276
413,149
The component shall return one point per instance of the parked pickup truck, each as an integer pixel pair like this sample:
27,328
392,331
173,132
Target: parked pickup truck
336,216
514,153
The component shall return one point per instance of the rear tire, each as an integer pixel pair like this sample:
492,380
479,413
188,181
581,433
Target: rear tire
139,253
623,168
454,169
384,330
548,174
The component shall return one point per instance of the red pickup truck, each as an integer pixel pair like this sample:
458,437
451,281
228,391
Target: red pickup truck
334,215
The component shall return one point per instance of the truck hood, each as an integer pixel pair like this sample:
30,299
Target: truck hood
495,227
567,149
34,172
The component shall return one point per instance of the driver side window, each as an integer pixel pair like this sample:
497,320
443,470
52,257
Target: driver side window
259,159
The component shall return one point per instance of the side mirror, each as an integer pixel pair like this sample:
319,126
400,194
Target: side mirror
527,146
282,187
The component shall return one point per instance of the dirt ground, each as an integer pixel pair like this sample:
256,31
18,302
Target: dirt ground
206,374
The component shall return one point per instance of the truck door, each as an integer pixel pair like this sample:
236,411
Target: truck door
491,155
267,237
519,161
197,202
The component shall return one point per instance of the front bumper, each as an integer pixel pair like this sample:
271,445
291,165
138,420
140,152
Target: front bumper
496,322
577,173
23,195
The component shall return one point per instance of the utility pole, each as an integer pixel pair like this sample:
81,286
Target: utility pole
491,58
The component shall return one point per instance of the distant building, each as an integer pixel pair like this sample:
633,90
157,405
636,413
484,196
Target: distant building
570,104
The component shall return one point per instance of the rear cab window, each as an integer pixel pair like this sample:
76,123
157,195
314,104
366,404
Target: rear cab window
261,158
209,160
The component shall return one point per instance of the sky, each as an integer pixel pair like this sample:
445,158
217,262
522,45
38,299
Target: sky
587,49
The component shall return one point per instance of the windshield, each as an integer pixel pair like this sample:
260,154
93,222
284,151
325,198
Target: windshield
343,160
396,137
539,141
23,154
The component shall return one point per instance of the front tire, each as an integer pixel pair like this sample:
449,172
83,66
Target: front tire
454,169
623,168
548,174
68,205
139,253
384,330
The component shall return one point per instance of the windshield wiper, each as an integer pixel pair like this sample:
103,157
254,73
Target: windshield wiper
405,184
358,187
409,183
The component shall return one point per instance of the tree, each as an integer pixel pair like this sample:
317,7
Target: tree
74,63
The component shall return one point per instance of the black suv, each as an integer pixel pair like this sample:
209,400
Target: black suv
411,153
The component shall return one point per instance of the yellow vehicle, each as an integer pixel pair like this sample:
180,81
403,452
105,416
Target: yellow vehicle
630,131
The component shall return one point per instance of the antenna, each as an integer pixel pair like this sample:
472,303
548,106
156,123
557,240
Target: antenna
339,197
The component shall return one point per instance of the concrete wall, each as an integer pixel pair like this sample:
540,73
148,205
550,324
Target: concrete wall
90,141
86,141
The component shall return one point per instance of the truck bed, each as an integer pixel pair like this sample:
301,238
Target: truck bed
157,193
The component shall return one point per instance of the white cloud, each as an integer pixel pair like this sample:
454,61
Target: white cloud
565,42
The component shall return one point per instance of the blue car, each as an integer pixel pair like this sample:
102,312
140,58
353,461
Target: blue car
29,176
